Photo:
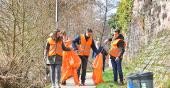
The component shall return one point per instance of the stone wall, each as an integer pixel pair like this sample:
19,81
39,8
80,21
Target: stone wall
149,39
149,18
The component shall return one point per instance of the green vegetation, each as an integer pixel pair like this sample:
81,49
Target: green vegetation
123,15
168,83
155,56
49,86
108,78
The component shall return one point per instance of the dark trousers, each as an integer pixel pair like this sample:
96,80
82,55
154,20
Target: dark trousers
117,68
83,67
104,59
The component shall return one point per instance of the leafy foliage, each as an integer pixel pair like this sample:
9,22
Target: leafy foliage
123,15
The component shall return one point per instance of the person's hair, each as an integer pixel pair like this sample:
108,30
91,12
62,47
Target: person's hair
54,35
121,37
117,30
89,30
63,32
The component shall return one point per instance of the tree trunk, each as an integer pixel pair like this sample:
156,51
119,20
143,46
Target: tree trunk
104,24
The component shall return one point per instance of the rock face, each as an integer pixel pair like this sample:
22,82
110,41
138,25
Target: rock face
149,18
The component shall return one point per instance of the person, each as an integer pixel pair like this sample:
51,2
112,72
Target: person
53,52
83,44
116,55
70,63
110,39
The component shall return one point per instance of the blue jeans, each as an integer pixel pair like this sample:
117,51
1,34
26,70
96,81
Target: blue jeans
117,68
55,72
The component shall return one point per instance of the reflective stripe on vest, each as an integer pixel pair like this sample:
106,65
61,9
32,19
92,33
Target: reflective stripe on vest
55,48
85,46
114,51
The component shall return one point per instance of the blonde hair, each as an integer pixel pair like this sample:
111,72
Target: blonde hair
63,32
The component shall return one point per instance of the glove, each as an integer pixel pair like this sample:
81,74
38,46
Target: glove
77,51
105,41
117,59
45,59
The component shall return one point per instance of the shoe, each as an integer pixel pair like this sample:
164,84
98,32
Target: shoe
121,83
63,83
53,87
82,84
59,86
77,84
115,82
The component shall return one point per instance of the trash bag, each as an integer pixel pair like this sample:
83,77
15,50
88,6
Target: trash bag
97,69
71,62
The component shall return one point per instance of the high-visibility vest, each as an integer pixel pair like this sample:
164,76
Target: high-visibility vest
55,47
85,46
115,51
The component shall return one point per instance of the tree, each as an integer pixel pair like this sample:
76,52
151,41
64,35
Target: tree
24,26
123,15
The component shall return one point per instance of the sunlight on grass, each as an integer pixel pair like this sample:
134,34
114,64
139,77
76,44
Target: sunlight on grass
108,81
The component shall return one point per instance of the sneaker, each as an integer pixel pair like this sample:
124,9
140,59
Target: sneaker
63,83
59,86
53,87
121,83
116,82
77,84
82,84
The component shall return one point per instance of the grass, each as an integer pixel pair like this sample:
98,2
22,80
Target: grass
168,83
49,86
108,80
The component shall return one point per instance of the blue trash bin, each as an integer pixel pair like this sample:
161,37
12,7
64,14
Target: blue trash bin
140,80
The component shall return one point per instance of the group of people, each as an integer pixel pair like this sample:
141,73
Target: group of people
69,57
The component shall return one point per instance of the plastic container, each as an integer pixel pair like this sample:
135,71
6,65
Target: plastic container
140,80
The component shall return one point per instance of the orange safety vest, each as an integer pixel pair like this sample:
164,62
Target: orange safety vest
85,46
55,47
114,51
